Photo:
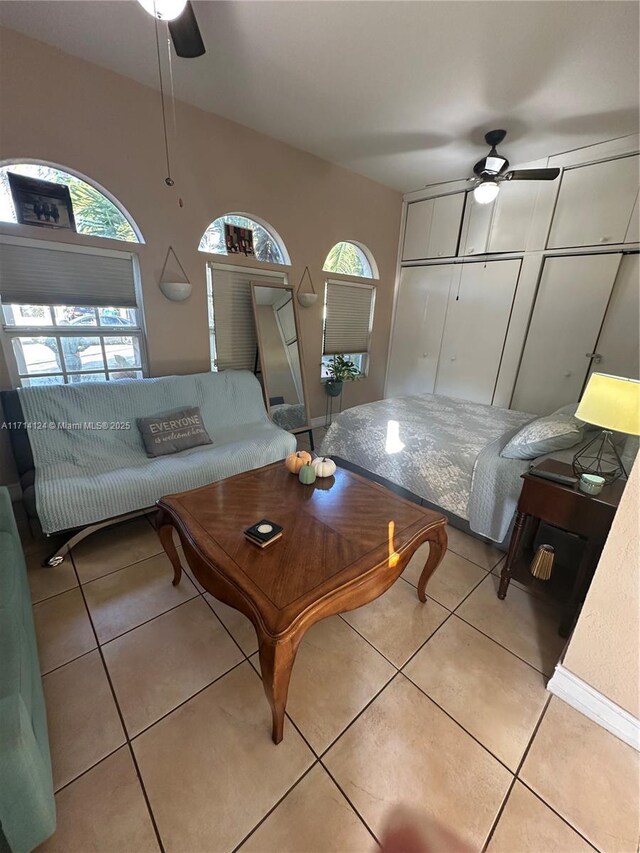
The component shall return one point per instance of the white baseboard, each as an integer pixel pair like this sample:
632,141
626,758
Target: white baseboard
584,698
318,422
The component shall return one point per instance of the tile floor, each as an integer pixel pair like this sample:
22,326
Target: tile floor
160,731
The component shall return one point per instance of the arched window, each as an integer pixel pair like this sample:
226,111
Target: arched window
348,258
95,214
267,245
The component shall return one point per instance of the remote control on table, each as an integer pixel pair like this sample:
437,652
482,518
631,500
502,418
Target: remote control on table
563,479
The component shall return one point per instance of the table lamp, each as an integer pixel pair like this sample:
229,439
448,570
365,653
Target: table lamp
613,403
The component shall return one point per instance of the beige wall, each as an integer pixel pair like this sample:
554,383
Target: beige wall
604,650
109,128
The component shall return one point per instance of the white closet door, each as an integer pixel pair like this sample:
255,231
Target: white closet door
420,314
595,204
567,316
417,230
445,226
619,344
475,329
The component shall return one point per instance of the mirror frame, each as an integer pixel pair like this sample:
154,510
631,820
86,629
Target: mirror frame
265,382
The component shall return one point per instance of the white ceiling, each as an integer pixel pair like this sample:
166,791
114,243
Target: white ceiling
399,91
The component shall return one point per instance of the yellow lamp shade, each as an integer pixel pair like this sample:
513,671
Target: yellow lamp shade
611,402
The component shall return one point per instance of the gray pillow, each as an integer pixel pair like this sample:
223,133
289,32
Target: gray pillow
173,432
544,435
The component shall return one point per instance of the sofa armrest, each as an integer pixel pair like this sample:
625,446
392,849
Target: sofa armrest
27,805
19,438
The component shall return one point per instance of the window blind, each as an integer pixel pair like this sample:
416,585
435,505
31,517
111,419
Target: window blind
233,322
348,317
30,275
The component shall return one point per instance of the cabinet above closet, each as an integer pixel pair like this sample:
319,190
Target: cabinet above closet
433,228
589,205
595,204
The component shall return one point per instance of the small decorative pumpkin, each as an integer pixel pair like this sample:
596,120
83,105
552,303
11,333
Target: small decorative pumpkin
307,474
295,461
324,466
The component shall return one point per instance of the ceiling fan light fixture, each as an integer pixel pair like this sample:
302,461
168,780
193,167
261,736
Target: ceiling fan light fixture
164,10
486,192
494,163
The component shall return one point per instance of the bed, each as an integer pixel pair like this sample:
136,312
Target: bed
441,451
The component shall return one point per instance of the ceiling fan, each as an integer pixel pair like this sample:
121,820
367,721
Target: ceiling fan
491,171
183,26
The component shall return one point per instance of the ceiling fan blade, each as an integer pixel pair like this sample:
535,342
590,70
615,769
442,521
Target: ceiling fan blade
532,175
185,34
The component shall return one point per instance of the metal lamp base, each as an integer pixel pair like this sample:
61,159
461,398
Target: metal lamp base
590,460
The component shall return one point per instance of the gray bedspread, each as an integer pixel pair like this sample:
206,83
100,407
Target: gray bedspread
444,450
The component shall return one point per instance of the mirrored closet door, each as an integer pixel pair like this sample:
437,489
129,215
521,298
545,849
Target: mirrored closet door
279,354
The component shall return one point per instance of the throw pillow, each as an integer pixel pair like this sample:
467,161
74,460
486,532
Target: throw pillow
544,435
173,432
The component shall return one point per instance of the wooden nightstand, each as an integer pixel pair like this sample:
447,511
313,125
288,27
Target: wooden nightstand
569,509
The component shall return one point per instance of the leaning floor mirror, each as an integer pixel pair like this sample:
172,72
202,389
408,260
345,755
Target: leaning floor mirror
280,356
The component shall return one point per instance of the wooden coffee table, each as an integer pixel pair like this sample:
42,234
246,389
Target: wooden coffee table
346,540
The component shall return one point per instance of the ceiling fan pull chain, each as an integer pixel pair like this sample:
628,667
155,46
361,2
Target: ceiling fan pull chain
168,180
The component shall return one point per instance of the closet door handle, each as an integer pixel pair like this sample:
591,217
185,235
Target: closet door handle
595,356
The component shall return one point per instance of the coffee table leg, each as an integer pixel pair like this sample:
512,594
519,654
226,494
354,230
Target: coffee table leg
165,532
276,663
437,550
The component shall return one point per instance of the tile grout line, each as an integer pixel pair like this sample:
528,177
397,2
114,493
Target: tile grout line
522,781
344,794
502,646
458,723
242,651
316,761
557,814
499,814
72,660
50,597
89,769
358,715
184,701
120,715
516,777
275,806
446,619
423,644
146,621
381,653
455,612
120,569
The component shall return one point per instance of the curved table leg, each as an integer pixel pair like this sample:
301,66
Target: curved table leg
276,663
165,532
437,550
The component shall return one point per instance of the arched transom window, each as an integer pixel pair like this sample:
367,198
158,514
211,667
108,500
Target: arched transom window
267,245
348,258
95,214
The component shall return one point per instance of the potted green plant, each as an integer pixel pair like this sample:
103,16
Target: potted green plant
340,370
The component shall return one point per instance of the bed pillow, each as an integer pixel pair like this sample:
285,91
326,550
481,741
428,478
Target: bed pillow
173,432
544,435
